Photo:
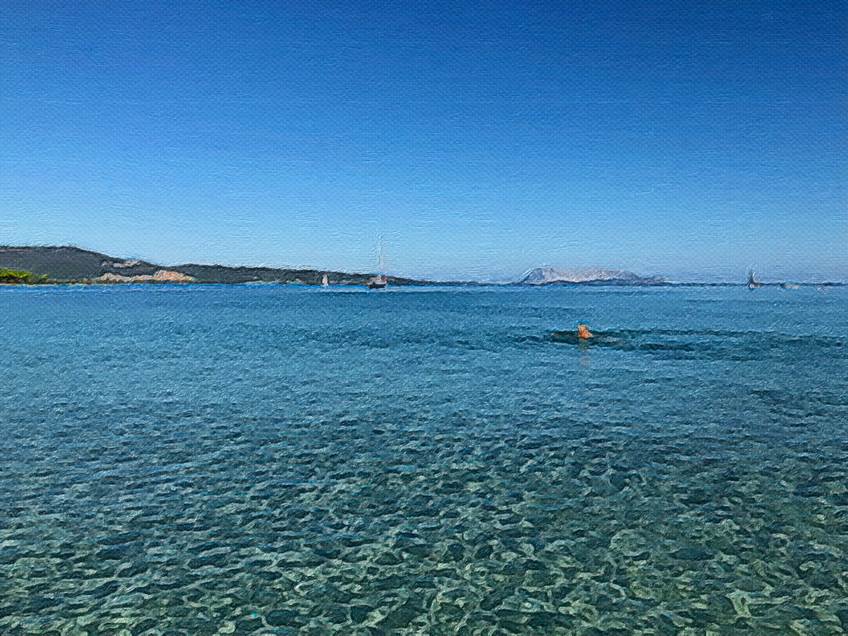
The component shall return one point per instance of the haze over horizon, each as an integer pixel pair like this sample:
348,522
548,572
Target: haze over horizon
691,141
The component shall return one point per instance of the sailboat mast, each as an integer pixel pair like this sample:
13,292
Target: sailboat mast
380,280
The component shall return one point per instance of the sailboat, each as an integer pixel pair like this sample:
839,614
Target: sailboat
380,281
325,281
752,282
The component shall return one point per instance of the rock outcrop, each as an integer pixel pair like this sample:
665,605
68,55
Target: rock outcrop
160,276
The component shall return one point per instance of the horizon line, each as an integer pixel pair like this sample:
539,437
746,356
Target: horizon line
504,279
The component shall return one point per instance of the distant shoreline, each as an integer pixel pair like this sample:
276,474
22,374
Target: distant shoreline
589,284
70,265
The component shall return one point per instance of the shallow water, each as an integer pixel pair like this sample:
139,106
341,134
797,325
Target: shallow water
276,460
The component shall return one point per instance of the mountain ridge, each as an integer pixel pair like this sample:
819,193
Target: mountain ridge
68,263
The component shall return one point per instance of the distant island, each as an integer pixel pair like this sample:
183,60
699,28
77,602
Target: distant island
551,276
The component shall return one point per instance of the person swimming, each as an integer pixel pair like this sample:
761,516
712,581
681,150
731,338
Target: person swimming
582,336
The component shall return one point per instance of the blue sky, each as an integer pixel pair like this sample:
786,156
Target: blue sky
691,139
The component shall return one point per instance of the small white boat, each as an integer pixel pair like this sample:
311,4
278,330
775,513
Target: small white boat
378,282
325,282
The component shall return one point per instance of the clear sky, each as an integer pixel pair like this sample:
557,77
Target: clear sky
691,139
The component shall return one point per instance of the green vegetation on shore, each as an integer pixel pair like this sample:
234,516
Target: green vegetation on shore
20,277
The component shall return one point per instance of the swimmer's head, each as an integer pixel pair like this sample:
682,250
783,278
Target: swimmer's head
583,332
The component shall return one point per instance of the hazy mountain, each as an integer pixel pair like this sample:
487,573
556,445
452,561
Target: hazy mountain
550,276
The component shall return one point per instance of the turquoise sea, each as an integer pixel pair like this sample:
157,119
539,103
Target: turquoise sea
282,460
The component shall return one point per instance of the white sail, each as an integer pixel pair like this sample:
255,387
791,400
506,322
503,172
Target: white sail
380,280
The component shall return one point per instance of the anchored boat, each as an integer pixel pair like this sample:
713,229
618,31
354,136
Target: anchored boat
380,281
